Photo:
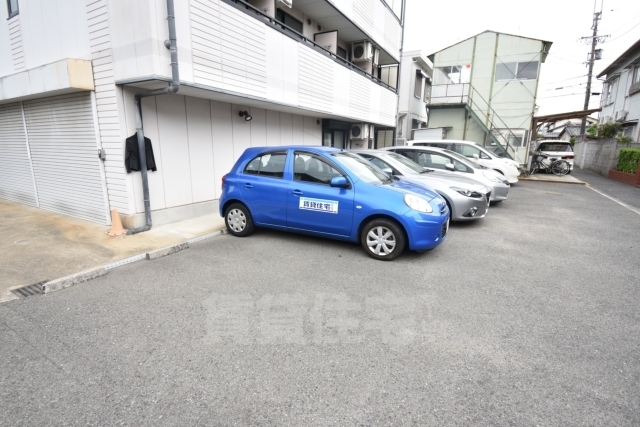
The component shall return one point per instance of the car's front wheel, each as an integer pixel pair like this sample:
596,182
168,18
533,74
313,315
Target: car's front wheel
382,239
238,220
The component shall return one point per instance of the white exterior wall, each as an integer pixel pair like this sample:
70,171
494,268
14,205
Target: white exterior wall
375,20
221,48
621,101
196,141
43,32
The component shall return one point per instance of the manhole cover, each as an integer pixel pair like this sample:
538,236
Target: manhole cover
21,242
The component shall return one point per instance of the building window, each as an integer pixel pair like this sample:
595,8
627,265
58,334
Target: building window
289,20
427,90
417,88
636,75
12,6
516,71
389,75
609,90
454,74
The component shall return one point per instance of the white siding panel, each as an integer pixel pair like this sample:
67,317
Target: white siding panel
97,19
360,98
273,128
275,66
291,66
387,107
156,181
16,44
241,131
258,127
200,149
63,149
222,131
315,84
298,129
392,33
174,140
286,129
16,176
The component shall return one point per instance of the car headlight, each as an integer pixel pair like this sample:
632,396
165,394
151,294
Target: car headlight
417,203
466,192
491,177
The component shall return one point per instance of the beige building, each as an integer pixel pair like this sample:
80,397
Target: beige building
484,90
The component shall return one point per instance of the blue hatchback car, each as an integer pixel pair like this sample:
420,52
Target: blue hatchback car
332,193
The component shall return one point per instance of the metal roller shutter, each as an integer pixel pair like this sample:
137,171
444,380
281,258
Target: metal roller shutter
16,178
64,154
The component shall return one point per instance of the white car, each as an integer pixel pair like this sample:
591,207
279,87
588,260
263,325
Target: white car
507,167
556,150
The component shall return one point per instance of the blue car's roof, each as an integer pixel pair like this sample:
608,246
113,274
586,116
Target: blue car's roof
312,148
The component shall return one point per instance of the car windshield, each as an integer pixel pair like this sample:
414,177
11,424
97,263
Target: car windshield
462,159
361,168
551,146
404,165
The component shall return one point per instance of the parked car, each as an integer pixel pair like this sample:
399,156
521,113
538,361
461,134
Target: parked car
332,193
456,164
507,167
467,199
556,150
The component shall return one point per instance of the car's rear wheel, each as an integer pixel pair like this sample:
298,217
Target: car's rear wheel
238,220
382,239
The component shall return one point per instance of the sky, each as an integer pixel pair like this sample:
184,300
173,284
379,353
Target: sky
433,25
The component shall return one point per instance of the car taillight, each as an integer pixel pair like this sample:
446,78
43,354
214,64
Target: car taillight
223,177
567,157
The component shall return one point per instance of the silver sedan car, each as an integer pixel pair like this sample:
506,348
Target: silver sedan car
467,199
453,163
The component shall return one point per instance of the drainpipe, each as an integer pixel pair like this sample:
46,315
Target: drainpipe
173,87
395,130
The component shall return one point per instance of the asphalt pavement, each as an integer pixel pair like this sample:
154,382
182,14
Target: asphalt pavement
526,318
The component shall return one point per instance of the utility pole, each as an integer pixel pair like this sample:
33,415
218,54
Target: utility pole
592,58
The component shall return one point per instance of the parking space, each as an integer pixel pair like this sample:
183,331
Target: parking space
527,317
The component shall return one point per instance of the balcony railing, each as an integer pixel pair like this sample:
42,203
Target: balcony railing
274,23
452,94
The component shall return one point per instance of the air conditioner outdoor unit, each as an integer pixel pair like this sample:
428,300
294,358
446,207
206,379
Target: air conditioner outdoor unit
361,51
620,115
288,3
360,131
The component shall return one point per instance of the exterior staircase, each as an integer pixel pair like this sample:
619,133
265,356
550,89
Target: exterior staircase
496,129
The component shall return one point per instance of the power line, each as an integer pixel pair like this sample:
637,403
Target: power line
564,80
565,87
609,41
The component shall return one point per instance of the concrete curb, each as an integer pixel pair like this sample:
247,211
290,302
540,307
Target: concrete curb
84,276
577,182
159,253
74,279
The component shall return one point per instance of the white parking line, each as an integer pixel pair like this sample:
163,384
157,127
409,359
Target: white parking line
621,203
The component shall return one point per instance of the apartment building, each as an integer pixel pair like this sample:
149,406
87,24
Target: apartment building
484,90
251,73
620,100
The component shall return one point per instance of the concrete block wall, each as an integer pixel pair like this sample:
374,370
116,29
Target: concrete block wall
599,155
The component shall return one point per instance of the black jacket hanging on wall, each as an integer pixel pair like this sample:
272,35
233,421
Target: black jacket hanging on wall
132,156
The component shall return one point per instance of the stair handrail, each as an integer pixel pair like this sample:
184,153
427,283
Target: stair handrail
505,143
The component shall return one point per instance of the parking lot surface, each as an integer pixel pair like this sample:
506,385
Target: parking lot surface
528,317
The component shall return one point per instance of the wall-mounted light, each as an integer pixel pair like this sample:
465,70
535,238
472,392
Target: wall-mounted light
245,114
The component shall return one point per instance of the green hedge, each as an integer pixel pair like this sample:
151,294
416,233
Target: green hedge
628,160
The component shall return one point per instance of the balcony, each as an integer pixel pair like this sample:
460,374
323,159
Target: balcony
235,52
449,94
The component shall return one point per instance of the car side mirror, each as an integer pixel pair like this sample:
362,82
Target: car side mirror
449,166
339,182
475,156
388,171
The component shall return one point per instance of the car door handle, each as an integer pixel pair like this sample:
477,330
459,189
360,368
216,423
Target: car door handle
247,185
297,193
